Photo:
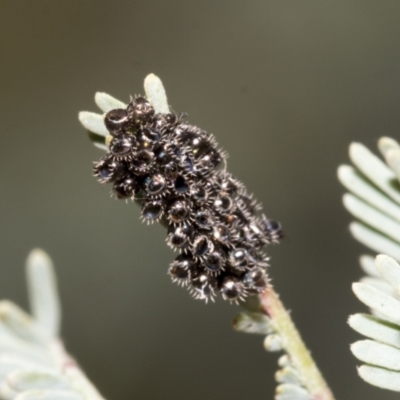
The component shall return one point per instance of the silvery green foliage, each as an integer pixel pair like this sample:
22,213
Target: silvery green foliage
33,361
375,201
375,196
253,320
381,352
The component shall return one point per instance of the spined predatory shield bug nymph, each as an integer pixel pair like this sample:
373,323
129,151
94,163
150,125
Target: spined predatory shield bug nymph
174,170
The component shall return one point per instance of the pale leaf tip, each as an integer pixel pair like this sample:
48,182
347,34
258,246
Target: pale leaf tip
355,146
380,377
155,93
361,348
98,96
386,143
356,150
153,81
152,76
343,172
106,102
356,287
355,228
38,257
351,319
347,200
82,114
353,347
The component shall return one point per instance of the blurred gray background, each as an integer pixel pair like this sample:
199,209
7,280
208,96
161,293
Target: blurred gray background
284,85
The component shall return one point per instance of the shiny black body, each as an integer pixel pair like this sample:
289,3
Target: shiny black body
175,171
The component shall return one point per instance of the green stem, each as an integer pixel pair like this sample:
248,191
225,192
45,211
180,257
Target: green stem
300,357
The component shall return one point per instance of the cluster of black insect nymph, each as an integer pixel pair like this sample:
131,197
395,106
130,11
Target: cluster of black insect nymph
176,173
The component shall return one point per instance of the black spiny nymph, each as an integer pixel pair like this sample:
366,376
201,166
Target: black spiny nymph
174,170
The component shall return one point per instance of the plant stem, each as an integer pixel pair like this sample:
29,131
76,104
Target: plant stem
301,359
